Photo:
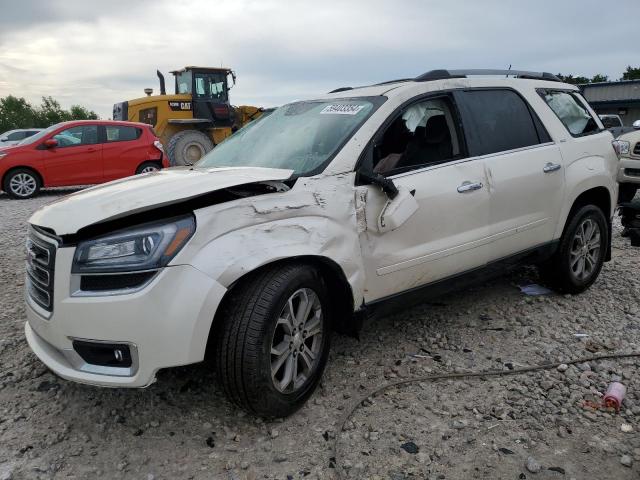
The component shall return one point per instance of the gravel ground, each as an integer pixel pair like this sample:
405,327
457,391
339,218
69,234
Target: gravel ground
542,425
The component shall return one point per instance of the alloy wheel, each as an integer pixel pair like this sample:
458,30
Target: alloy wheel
23,185
297,341
585,249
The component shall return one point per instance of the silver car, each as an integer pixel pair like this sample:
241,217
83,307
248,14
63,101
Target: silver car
13,137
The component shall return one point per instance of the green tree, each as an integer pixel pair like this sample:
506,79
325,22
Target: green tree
16,113
599,78
79,112
50,112
577,80
632,73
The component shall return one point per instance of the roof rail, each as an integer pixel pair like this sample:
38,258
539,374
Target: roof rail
444,74
341,89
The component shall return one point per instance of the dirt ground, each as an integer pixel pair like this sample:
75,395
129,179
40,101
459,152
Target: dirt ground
543,425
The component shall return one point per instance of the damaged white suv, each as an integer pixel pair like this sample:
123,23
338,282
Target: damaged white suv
307,219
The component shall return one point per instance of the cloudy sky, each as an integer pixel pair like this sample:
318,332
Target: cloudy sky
98,53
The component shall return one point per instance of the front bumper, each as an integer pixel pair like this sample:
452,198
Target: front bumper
624,174
166,324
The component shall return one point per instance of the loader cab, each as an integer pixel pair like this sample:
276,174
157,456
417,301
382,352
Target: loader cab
209,89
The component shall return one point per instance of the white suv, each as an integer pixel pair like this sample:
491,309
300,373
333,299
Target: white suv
628,148
308,219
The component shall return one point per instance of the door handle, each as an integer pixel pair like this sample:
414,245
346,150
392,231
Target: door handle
551,167
469,187
91,149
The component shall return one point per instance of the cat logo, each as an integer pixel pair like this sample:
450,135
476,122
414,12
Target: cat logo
179,106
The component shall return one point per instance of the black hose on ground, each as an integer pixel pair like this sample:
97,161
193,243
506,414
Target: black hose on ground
336,460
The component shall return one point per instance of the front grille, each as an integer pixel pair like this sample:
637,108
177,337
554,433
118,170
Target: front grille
636,149
41,260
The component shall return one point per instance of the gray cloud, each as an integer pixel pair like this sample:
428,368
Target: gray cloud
98,53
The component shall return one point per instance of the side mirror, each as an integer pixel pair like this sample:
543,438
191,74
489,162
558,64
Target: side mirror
636,124
51,143
397,210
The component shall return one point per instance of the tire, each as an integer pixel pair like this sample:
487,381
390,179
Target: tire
147,167
562,272
187,147
22,183
254,329
627,192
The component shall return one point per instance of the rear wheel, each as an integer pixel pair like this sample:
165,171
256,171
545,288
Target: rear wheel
187,147
147,167
273,344
627,192
580,256
22,183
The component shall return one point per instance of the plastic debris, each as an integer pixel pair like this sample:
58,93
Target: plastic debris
534,289
614,395
626,428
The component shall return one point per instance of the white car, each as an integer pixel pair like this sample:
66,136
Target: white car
628,147
13,137
305,221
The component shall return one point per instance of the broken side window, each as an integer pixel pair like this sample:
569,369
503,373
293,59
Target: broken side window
424,134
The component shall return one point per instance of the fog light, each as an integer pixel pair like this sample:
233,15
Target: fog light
104,354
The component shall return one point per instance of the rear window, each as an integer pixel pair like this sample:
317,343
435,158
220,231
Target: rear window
571,111
120,133
498,120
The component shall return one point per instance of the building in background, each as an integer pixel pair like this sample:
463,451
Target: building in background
618,98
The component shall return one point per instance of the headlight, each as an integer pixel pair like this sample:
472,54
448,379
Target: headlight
145,247
621,147
3,154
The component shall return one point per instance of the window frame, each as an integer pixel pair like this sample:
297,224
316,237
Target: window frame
365,160
102,134
541,130
97,127
581,101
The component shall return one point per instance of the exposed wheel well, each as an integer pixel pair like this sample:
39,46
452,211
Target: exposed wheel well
13,169
598,196
336,282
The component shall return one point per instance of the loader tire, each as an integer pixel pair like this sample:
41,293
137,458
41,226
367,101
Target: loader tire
187,147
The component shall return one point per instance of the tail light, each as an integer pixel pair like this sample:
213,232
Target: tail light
158,145
621,147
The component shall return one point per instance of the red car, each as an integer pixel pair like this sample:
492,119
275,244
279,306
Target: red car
79,153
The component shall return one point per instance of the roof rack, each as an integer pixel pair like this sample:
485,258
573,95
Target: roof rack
445,74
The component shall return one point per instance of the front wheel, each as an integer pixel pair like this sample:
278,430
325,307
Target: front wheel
581,253
273,343
22,183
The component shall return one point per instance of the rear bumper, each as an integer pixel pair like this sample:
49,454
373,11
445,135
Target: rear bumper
166,324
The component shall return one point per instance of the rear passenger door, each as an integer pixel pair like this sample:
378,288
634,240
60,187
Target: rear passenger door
122,153
524,168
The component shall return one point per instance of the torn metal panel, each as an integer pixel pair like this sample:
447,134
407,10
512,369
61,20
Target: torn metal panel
317,217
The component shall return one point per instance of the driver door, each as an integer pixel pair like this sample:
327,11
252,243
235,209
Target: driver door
449,232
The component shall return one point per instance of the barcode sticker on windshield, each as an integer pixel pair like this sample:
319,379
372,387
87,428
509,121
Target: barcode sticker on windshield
342,109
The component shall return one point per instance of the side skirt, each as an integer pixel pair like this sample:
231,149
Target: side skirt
414,296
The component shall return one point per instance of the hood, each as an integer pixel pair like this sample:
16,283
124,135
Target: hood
144,192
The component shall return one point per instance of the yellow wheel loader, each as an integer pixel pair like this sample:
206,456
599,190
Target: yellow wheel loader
193,120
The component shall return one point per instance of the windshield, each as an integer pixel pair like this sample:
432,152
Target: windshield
301,136
39,135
